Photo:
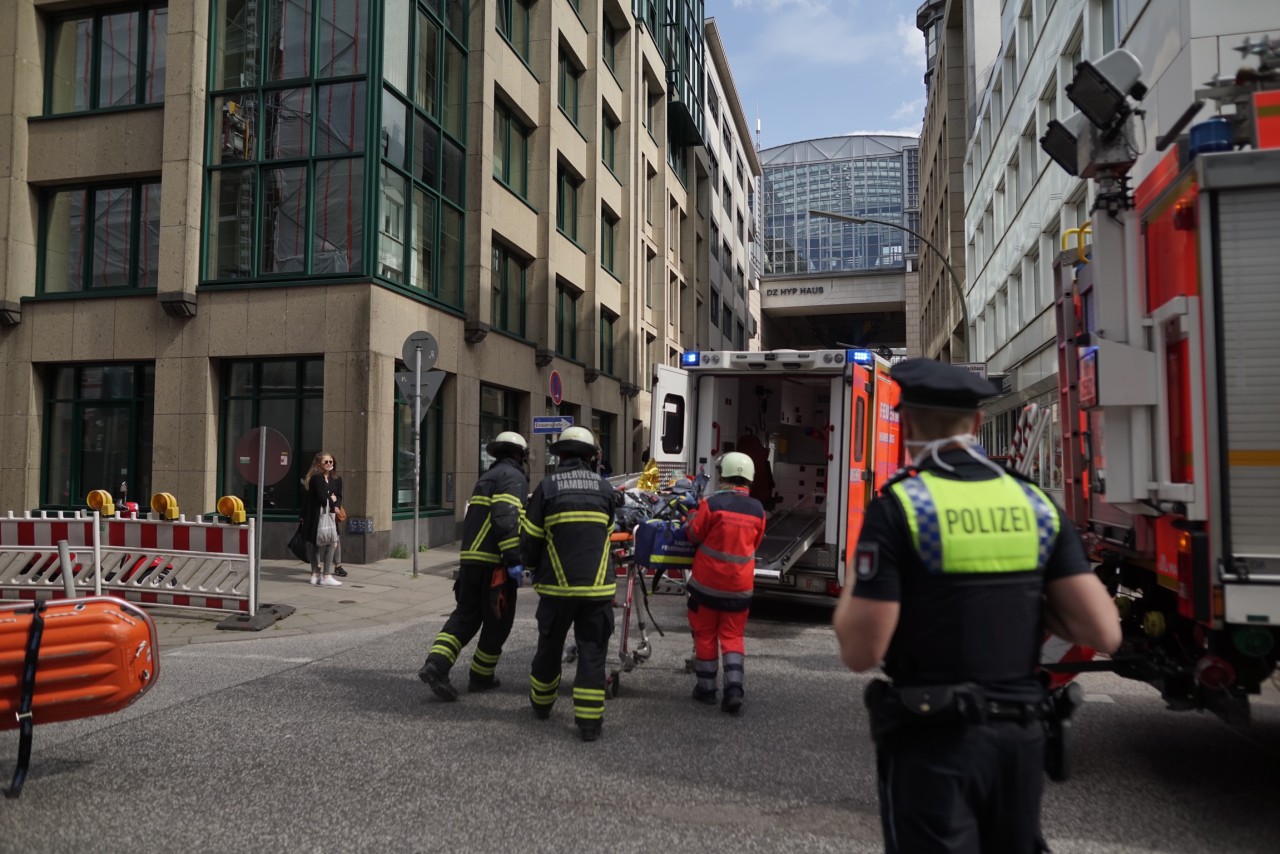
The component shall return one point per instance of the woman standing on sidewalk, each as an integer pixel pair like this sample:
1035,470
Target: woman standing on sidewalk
319,499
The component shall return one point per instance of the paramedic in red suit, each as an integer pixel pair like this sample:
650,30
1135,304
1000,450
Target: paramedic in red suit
727,529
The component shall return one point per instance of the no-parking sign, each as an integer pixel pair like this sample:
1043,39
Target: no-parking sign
556,388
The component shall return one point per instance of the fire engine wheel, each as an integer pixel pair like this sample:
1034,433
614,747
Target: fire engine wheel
615,683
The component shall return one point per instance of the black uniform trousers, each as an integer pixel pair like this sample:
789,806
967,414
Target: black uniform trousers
962,789
592,624
486,602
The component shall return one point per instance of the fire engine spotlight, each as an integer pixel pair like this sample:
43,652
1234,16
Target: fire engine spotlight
101,501
1061,141
1101,89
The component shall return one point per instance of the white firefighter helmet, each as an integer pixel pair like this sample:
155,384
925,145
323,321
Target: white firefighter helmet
507,443
577,441
735,464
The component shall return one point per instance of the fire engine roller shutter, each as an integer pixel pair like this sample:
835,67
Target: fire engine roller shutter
1249,261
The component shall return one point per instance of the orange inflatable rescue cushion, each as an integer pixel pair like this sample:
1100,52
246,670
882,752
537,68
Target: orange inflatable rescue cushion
97,655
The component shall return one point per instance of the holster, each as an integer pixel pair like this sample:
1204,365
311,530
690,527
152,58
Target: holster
1062,705
894,709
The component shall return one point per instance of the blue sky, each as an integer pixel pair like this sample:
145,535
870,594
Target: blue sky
815,68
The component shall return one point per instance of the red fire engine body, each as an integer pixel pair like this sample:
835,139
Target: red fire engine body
1168,337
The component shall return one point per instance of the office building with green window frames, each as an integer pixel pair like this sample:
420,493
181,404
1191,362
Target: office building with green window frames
224,214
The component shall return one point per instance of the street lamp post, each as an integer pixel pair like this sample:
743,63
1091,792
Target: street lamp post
955,280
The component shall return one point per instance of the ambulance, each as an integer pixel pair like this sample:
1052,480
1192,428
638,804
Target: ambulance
822,429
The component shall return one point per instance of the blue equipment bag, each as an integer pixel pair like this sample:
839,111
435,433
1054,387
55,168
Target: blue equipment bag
662,544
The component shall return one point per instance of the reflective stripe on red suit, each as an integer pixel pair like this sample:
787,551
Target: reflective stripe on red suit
727,528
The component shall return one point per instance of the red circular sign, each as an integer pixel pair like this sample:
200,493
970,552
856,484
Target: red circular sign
557,388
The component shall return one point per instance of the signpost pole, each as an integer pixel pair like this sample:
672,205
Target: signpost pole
262,493
417,447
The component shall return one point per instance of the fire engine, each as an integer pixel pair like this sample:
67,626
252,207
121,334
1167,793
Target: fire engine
823,432
1168,323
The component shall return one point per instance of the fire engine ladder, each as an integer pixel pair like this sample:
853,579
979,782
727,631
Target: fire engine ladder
1066,312
788,534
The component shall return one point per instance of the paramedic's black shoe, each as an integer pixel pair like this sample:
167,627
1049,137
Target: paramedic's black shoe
589,732
477,685
732,701
542,713
438,680
707,697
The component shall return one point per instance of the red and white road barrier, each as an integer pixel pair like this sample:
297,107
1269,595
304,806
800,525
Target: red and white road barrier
179,564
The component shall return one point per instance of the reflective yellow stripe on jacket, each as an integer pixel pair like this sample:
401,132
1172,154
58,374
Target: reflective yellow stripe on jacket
985,526
602,585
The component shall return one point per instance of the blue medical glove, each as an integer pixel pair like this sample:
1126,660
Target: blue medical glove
516,574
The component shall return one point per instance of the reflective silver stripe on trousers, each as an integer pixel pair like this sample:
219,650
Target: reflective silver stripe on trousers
705,670
734,665
724,594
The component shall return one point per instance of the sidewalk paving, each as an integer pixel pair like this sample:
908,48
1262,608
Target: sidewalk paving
381,593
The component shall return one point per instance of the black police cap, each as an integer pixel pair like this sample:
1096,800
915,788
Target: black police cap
937,385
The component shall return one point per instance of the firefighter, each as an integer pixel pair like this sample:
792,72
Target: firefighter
566,545
727,528
490,572
959,568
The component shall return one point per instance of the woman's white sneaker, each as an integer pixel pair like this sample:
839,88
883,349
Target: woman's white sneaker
330,581
315,579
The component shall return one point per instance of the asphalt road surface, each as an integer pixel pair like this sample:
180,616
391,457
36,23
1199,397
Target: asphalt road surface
330,743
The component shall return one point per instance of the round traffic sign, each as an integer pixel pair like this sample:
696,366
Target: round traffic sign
430,349
556,387
278,459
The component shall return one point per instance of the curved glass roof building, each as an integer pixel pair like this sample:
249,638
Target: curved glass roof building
869,176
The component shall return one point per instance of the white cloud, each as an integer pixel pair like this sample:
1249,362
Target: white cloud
913,130
910,109
911,41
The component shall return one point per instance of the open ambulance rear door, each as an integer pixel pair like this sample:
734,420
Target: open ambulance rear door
672,421
856,461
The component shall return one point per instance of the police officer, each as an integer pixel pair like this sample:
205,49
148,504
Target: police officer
727,528
490,572
960,567
566,544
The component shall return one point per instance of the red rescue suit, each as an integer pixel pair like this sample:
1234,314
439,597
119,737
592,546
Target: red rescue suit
727,528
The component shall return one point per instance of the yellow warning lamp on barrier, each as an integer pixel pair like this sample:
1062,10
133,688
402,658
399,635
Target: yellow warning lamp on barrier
232,508
164,504
101,501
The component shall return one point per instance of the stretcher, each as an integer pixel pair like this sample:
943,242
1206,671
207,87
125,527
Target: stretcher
622,557
70,658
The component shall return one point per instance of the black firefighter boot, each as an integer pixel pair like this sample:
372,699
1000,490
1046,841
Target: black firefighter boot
437,678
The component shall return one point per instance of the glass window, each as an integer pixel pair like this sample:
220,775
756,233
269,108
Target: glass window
609,142
566,321
455,91
609,45
342,50
99,238
395,44
451,239
608,240
284,217
602,426
288,38
499,411
392,229
286,395
339,217
607,339
431,455
513,24
567,204
424,241
570,78
97,433
508,290
427,96
395,130
510,150
104,60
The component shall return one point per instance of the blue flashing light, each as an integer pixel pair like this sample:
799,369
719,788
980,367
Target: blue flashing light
690,358
860,357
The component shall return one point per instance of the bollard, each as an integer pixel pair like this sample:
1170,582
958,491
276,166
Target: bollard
64,561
